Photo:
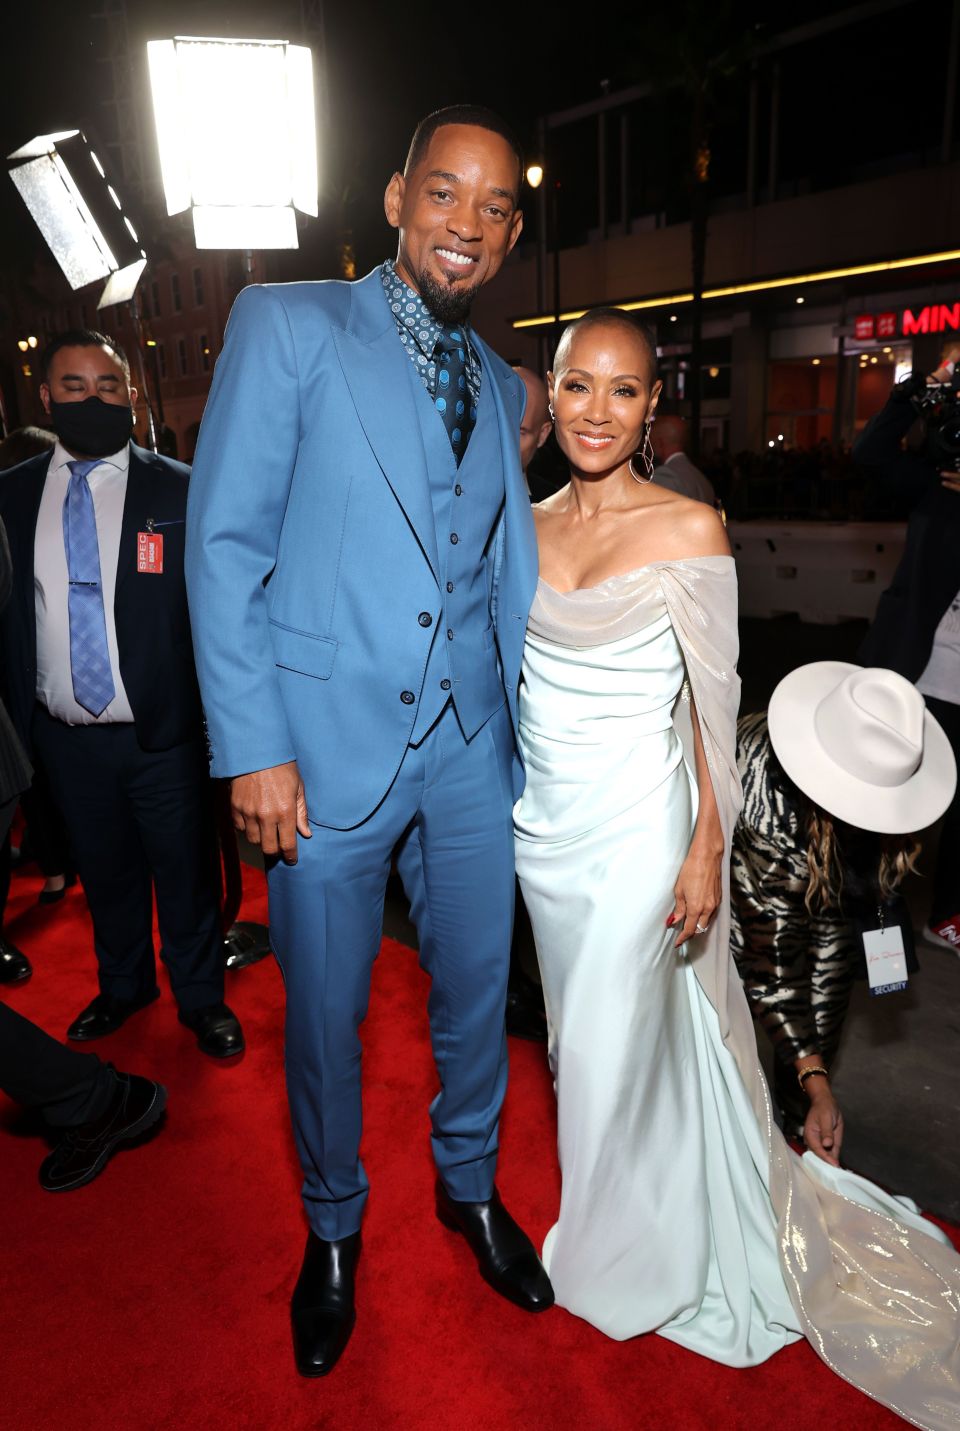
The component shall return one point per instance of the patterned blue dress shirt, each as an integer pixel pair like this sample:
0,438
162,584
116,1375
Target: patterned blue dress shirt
419,331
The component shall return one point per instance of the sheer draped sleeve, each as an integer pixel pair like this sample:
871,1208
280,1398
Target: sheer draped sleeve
876,1288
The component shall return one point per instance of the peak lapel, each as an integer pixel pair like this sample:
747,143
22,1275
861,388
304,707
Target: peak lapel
376,372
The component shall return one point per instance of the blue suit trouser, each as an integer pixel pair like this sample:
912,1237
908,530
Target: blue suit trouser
448,813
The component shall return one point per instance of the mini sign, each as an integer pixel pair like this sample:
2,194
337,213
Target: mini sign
150,552
933,318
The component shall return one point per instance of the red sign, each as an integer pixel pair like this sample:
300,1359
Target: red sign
934,318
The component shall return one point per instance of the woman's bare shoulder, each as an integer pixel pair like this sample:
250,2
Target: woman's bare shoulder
697,528
551,506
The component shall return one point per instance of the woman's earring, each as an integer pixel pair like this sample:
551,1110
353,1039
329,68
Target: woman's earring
550,410
646,457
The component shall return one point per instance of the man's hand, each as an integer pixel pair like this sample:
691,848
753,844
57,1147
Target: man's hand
270,808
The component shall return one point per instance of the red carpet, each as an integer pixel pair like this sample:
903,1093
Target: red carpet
155,1299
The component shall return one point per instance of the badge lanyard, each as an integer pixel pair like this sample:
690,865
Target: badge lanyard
886,958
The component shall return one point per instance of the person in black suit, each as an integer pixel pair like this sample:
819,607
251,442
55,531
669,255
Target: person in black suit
88,1106
916,630
15,777
97,662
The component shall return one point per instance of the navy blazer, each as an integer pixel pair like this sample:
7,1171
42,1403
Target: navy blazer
312,549
152,619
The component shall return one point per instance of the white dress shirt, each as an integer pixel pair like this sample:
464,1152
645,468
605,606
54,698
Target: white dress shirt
108,486
941,678
679,474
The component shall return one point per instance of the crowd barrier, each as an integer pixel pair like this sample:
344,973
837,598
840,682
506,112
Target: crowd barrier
823,572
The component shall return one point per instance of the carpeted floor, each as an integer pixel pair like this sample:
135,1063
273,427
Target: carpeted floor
155,1299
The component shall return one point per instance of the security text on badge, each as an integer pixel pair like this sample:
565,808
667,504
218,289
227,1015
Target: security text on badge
150,552
886,960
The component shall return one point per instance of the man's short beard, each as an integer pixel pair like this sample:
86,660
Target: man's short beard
449,303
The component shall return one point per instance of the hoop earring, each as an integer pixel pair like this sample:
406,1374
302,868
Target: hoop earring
646,457
550,411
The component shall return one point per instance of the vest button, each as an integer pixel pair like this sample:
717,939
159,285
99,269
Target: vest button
454,538
459,490
449,634
449,585
444,685
407,697
425,618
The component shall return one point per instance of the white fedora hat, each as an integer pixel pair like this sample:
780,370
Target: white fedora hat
860,743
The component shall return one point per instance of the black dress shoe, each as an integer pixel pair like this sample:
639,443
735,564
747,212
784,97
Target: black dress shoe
54,896
217,1029
526,1016
105,1014
323,1310
504,1251
83,1152
14,965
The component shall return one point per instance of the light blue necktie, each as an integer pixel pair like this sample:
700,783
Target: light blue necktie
89,654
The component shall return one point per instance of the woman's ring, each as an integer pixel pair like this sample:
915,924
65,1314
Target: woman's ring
701,929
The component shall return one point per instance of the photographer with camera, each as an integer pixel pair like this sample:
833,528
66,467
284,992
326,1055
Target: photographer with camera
916,630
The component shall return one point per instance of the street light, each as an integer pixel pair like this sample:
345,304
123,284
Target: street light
237,137
534,175
62,183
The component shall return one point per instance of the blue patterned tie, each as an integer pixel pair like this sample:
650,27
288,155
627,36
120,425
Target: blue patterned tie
89,655
453,401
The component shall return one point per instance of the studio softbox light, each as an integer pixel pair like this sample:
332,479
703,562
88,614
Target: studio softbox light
237,136
80,215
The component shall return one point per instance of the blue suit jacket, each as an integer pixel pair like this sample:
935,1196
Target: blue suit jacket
311,545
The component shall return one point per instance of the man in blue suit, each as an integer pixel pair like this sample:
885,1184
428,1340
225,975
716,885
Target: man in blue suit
361,561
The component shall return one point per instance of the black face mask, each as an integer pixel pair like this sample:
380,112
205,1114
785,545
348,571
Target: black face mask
93,427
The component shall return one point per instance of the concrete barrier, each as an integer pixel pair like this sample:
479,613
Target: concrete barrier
823,572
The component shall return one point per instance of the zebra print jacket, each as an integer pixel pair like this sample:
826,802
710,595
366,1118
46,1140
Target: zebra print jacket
796,967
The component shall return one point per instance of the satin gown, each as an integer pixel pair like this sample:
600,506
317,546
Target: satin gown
682,1209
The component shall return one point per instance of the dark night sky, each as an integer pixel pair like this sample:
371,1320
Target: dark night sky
389,65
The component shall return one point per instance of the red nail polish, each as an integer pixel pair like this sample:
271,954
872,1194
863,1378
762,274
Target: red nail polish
671,920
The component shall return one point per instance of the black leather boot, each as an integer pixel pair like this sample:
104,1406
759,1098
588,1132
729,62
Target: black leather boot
322,1310
503,1250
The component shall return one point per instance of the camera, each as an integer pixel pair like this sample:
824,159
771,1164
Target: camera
939,406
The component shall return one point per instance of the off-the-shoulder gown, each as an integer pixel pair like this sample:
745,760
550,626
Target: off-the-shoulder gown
683,1211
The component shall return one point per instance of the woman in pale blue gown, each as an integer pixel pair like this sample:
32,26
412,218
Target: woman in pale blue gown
682,1209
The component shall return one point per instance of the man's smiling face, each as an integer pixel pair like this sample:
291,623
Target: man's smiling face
458,216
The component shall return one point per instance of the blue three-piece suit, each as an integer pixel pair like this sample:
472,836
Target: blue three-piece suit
358,603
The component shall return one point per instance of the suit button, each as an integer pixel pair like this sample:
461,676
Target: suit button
444,685
425,618
459,490
449,634
454,538
449,585
407,697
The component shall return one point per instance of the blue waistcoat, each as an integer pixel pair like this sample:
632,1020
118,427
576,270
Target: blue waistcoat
466,502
